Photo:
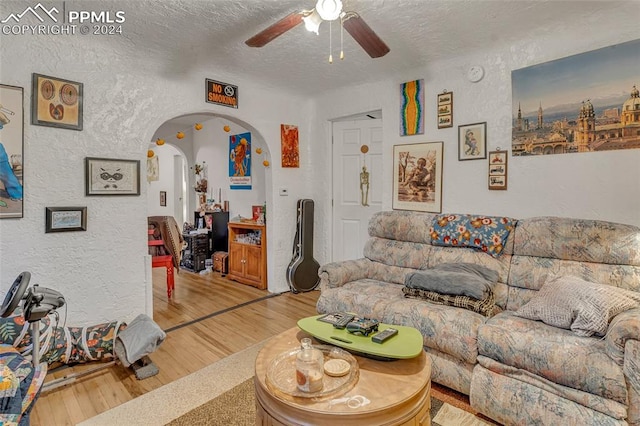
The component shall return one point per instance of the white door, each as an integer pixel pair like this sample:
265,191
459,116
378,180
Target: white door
350,217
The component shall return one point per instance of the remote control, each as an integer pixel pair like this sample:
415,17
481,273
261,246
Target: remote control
384,335
342,322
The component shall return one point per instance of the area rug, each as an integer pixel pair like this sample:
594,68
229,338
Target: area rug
236,407
222,394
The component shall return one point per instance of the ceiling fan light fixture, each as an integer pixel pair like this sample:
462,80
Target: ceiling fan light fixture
329,10
312,21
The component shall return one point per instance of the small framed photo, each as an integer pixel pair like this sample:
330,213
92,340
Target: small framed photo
65,219
163,198
445,110
56,102
472,141
108,176
417,177
498,170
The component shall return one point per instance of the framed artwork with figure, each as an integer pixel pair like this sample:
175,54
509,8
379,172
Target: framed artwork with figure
472,141
11,151
417,177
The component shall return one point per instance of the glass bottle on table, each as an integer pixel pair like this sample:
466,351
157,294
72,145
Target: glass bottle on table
309,367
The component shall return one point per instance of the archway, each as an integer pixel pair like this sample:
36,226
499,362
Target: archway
203,138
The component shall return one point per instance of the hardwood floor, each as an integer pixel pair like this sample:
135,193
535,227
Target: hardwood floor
208,318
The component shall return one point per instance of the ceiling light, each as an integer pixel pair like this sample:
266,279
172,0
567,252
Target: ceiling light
312,21
329,10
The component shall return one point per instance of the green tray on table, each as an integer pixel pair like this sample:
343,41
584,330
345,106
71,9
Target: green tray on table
406,344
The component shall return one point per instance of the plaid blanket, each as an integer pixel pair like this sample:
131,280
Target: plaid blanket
486,307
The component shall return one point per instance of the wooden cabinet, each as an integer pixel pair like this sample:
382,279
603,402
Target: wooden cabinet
248,253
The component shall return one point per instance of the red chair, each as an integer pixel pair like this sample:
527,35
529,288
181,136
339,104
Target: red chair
163,261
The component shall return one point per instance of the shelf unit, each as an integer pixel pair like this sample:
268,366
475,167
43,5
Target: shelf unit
195,253
248,253
216,222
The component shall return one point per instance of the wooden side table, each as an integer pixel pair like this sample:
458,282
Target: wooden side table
399,391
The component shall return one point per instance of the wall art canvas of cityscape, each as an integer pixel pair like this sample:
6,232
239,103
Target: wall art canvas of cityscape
582,103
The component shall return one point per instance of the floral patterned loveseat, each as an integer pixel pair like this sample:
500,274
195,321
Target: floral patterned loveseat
516,370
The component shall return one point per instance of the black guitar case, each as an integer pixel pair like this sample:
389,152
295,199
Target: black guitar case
302,272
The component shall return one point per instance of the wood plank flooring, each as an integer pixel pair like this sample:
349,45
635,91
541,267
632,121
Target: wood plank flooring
208,318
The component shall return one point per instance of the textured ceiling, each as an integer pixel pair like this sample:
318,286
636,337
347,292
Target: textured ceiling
180,36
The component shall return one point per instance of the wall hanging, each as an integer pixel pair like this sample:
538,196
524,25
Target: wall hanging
108,176
56,102
64,219
498,170
412,108
582,103
445,109
472,141
290,145
240,161
11,151
417,177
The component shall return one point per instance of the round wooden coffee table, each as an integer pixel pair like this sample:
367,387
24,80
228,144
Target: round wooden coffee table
399,391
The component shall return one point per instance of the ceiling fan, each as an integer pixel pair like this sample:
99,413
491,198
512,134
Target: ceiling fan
325,10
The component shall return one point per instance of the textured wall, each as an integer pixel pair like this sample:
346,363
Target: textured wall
603,185
102,272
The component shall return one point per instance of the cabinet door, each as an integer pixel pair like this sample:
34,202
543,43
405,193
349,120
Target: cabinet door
253,266
236,259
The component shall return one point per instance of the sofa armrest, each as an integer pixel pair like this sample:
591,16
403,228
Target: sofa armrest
623,327
336,274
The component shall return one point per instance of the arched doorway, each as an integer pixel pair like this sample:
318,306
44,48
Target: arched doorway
204,139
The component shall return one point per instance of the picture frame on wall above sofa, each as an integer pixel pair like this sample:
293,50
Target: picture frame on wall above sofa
472,141
56,102
65,219
109,176
445,109
417,177
498,170
11,151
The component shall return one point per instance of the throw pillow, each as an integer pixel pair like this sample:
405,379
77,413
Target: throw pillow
584,307
486,233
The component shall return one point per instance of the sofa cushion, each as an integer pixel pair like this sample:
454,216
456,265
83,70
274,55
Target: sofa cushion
364,297
447,329
555,354
573,303
485,233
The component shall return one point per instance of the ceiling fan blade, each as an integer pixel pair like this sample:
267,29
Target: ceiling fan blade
282,26
364,35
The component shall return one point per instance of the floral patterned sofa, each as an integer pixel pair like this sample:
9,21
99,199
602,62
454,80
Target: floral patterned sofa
516,370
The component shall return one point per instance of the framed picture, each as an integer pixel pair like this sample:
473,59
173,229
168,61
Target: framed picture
472,141
417,177
56,102
11,150
163,198
591,96
108,176
445,110
65,219
498,170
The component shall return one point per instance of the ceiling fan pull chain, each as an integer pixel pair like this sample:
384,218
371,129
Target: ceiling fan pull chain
341,40
330,55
